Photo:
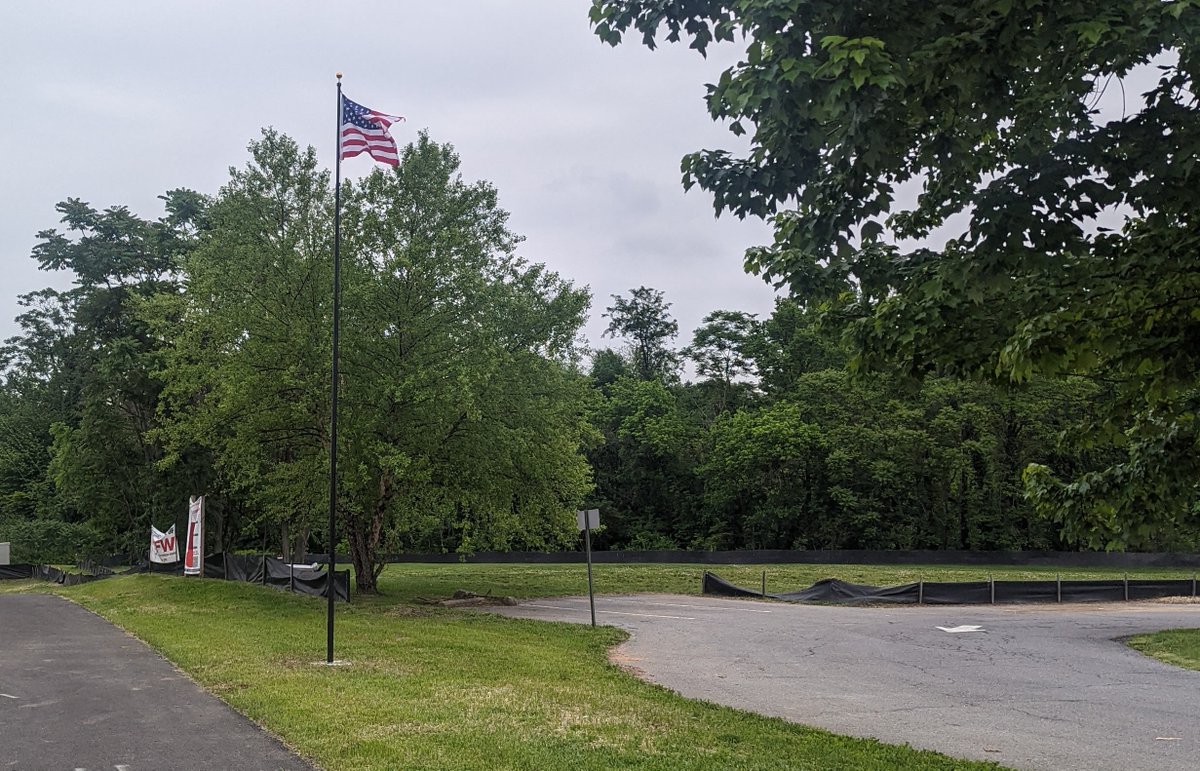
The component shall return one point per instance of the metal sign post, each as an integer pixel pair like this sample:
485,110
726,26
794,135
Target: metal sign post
586,520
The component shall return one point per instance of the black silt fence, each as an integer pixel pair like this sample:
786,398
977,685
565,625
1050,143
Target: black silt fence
15,572
832,590
1066,560
249,568
270,571
954,592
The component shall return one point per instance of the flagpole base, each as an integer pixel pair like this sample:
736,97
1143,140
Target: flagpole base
334,663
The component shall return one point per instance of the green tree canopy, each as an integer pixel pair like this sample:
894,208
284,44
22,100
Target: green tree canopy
645,320
1048,238
722,348
462,413
80,375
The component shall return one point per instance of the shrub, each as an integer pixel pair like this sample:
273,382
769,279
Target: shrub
38,541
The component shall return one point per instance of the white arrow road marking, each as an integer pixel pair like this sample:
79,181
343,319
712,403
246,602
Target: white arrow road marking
961,628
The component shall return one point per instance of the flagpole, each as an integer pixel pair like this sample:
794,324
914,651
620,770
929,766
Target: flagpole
331,572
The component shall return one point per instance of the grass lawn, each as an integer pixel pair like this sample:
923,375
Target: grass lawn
439,688
406,581
1180,647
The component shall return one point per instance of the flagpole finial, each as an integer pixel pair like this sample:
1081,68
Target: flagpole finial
339,76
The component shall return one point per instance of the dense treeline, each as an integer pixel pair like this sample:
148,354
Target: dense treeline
777,446
191,356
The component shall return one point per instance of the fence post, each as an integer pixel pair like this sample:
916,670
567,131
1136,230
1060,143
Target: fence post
921,591
992,587
1193,584
764,585
1126,587
1058,586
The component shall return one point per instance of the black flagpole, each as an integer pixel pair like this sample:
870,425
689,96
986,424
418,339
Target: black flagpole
331,572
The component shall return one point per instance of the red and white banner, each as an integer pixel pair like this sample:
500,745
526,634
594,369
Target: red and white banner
163,546
193,556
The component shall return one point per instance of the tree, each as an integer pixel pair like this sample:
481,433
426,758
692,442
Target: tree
721,348
606,367
1065,236
247,374
26,490
644,468
764,481
644,319
791,343
465,407
462,413
85,364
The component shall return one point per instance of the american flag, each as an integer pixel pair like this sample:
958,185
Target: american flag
366,131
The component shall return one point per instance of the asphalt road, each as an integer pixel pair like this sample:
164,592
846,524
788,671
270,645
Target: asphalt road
1032,687
78,693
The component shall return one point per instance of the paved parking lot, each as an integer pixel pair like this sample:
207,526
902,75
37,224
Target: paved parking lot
78,693
1033,687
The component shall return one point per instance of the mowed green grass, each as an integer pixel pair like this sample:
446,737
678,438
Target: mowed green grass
432,688
407,581
1180,647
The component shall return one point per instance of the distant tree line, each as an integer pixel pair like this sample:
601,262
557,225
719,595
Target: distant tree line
776,445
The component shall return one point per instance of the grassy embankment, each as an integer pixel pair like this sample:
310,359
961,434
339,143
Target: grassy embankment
437,688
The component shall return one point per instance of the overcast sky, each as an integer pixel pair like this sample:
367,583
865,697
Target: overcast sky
117,102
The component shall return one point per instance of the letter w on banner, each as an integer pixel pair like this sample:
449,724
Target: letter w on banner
164,549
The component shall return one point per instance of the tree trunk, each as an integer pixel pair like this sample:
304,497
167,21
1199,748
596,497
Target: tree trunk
300,544
360,557
365,536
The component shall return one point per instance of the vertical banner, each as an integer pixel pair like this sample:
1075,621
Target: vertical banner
193,558
164,549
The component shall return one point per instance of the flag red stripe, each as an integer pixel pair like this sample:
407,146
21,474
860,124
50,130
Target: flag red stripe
372,148
378,145
390,160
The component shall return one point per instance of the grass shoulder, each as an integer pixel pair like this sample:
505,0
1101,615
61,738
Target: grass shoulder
438,688
1180,647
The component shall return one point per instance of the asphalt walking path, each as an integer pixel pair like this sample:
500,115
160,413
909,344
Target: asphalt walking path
1031,687
78,693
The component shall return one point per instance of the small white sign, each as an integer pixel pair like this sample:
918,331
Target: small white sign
962,628
591,522
4,554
